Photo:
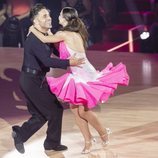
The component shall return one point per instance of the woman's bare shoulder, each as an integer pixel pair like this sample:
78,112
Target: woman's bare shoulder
65,33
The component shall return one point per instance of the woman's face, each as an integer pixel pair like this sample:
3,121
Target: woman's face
62,20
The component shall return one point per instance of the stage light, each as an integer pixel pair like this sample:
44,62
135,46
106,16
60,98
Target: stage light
144,35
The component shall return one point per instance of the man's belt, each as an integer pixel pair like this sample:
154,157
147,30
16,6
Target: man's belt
32,71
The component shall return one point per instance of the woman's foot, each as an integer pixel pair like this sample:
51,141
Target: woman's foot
105,137
88,146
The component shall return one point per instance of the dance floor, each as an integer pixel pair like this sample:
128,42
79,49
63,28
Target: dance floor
131,114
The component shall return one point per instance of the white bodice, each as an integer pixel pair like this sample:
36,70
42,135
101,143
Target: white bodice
85,72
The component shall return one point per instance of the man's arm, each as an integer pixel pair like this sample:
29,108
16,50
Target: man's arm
54,50
43,55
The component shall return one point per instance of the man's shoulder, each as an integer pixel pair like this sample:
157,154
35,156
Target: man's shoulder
31,41
31,38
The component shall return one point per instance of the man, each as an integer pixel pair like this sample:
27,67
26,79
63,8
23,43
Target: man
41,103
55,8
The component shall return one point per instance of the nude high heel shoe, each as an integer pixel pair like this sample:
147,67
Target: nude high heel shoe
90,144
105,137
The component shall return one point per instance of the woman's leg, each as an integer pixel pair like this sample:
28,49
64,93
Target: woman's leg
91,117
83,125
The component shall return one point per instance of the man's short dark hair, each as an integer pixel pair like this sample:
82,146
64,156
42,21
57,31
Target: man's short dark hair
35,10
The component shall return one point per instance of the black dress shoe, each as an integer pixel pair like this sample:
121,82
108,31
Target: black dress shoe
19,145
57,148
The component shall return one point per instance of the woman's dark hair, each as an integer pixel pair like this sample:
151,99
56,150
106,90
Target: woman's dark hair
35,10
75,24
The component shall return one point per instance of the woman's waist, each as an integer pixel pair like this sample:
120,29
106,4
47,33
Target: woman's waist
81,73
88,68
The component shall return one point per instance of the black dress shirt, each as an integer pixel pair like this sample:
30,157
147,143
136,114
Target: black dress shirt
37,55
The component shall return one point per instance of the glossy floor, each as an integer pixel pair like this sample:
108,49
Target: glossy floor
132,113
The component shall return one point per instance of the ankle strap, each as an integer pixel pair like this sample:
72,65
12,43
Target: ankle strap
87,142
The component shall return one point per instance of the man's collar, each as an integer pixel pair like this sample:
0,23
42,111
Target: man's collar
46,34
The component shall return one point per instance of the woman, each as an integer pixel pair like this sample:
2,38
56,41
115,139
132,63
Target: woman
85,11
83,7
84,87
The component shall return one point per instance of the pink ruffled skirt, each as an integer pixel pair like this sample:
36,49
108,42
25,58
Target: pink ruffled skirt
90,93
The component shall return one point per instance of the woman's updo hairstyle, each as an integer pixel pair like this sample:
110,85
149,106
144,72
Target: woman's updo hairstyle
75,24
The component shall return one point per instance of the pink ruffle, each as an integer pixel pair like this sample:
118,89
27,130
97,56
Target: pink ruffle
92,93
63,51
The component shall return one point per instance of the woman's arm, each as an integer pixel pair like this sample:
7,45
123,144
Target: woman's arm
59,36
49,32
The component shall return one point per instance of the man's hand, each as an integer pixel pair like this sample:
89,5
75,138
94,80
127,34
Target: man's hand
76,61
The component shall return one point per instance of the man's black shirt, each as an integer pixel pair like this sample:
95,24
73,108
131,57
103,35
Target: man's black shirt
37,55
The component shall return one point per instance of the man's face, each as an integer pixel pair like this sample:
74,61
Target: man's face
43,19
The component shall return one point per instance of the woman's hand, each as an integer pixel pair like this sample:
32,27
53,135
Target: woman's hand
49,32
30,29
